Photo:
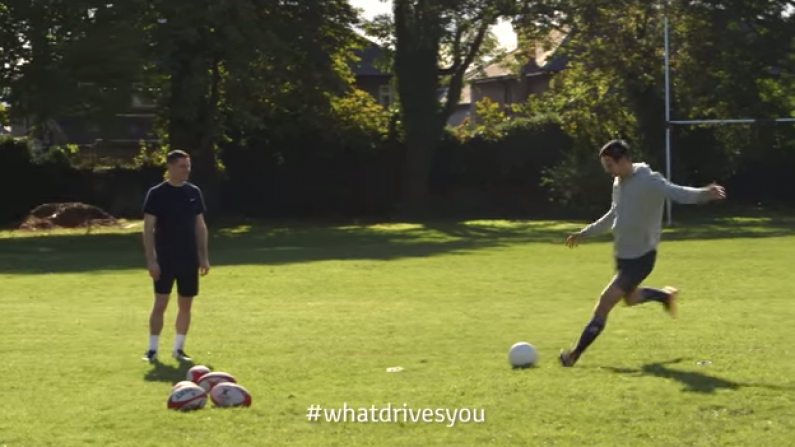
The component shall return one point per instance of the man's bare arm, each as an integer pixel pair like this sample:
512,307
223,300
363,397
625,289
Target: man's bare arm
149,238
201,238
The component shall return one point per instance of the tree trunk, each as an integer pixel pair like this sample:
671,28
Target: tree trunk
418,155
196,132
207,164
417,73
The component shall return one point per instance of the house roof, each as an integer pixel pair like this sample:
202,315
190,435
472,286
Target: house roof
543,61
466,94
368,58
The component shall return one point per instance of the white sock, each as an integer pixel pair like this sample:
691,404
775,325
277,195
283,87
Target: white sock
179,343
153,342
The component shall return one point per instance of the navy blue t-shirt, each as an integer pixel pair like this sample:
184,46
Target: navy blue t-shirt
175,208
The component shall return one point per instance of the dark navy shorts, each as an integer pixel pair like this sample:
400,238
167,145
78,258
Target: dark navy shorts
632,272
186,277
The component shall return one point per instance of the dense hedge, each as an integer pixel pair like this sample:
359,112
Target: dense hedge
507,171
27,181
310,176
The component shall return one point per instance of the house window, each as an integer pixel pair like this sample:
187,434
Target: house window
385,95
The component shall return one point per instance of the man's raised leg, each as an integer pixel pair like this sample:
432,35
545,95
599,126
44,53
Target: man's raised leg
667,296
611,295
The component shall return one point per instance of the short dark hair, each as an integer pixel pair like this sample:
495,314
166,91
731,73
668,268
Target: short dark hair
615,149
175,155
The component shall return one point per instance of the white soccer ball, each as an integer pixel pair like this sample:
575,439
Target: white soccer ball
523,355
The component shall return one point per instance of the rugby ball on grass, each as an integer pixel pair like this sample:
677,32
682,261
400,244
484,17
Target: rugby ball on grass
186,398
209,380
196,373
181,384
228,394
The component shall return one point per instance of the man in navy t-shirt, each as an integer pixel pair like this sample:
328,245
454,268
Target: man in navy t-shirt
175,241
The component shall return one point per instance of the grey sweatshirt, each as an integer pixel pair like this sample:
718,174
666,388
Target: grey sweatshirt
635,216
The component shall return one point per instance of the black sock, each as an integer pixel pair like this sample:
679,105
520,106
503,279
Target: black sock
592,330
647,294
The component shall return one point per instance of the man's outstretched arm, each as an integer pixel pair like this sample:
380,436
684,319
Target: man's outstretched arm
686,194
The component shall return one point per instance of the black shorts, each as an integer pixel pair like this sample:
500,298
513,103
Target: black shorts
186,277
632,272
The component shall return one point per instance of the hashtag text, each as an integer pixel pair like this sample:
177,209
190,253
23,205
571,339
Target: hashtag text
395,414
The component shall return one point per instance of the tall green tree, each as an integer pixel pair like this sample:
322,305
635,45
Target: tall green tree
435,43
67,58
728,60
236,63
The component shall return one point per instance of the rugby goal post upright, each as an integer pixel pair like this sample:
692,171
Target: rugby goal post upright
669,123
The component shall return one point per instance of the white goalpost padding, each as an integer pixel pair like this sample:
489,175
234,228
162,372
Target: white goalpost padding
669,122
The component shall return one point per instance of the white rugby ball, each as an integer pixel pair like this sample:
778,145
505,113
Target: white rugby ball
188,397
228,394
523,355
209,380
182,383
196,373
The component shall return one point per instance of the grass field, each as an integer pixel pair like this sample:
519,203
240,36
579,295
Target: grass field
309,315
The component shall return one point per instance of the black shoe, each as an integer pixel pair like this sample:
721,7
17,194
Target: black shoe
180,355
150,356
568,358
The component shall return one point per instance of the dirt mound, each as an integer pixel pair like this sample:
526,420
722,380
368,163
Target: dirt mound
67,215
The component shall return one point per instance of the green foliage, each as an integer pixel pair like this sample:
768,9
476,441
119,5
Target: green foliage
269,83
208,66
150,156
491,115
237,65
68,58
728,61
65,155
5,118
16,155
502,164
359,115
590,114
434,43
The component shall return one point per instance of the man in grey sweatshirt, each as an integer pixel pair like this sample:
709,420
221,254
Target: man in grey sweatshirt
635,218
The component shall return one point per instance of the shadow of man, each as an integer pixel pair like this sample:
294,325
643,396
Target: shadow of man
162,372
693,381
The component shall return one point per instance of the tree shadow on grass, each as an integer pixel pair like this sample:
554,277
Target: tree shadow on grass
162,372
255,243
730,228
262,244
692,381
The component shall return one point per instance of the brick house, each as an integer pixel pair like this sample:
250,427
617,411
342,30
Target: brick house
370,78
378,83
500,83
